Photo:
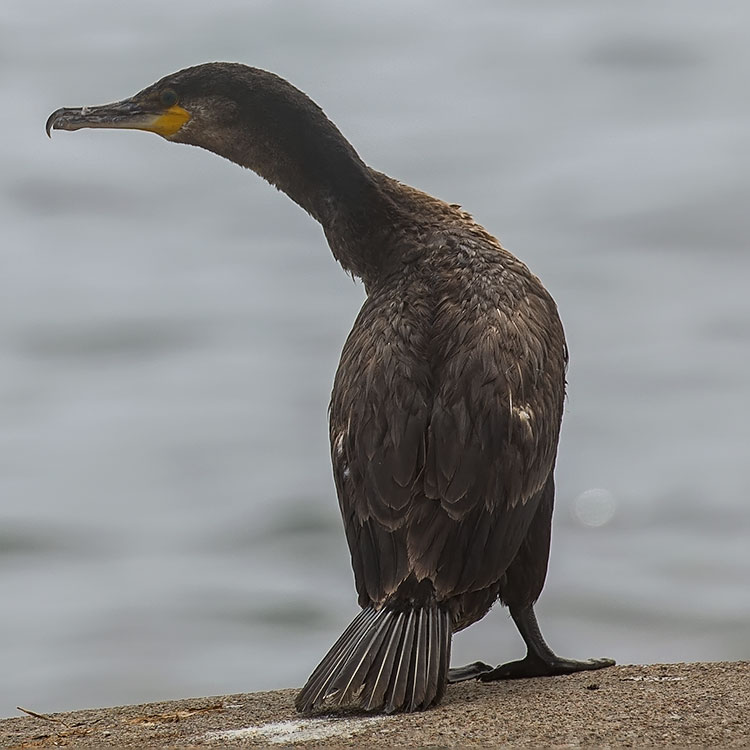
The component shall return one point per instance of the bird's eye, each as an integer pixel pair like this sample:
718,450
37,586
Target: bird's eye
169,97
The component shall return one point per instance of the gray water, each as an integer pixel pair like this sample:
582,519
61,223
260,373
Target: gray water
170,326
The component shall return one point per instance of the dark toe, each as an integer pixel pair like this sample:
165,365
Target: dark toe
471,671
533,666
596,664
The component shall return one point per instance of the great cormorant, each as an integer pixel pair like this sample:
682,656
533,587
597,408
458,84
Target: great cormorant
446,406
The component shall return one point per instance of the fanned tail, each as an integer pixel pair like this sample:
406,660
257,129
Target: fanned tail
386,660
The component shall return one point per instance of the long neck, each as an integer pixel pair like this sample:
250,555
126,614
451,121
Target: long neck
320,171
287,139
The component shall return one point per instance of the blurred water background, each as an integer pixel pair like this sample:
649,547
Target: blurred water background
170,327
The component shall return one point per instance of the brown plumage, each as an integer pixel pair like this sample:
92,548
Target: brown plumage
446,406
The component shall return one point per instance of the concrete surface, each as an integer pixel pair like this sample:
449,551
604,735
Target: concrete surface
660,705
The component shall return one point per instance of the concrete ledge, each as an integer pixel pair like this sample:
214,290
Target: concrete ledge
660,705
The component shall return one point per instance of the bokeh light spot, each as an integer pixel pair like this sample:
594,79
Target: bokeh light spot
594,507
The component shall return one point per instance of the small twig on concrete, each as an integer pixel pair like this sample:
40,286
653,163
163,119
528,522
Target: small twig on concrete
43,716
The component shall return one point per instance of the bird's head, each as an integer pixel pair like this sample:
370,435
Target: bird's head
199,105
250,116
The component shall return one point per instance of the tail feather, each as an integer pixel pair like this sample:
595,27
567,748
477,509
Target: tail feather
398,693
421,645
318,682
443,633
434,630
386,660
380,678
350,679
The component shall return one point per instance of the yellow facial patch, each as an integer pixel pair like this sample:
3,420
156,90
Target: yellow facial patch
169,121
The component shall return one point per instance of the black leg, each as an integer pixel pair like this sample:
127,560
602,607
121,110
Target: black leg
540,660
521,585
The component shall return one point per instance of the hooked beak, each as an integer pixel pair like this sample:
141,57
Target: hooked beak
127,114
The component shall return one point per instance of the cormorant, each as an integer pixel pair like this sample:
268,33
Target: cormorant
446,406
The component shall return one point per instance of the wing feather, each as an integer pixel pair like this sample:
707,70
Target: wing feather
444,426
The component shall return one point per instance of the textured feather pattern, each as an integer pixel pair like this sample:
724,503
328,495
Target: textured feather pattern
387,660
444,422
445,416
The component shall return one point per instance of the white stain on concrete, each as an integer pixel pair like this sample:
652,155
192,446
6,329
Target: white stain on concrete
297,730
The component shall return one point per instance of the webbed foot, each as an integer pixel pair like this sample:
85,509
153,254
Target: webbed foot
540,659
533,666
